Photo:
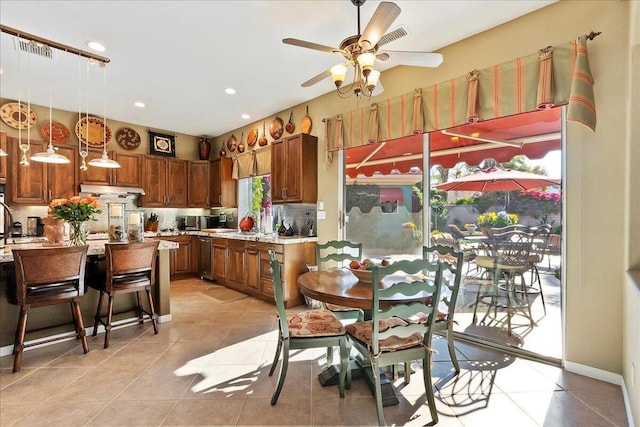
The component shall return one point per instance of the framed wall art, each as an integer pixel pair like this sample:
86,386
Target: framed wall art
161,144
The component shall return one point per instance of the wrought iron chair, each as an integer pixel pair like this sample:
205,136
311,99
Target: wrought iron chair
47,277
302,330
554,247
130,267
453,261
402,332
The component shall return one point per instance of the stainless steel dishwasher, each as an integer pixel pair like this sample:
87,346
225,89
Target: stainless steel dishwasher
205,266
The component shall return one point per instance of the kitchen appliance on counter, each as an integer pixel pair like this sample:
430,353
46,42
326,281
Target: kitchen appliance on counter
192,222
32,225
222,220
16,229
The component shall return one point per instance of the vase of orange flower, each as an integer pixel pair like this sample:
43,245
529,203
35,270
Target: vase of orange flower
76,211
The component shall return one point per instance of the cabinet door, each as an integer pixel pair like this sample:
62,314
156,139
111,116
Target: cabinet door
215,187
183,257
293,168
177,183
278,171
198,184
235,265
129,174
222,187
61,178
252,267
94,175
219,263
3,159
154,181
28,183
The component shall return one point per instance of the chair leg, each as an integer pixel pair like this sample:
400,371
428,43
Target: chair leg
348,351
152,310
428,387
407,372
283,372
329,356
139,308
98,317
79,325
377,391
18,346
452,349
276,357
107,327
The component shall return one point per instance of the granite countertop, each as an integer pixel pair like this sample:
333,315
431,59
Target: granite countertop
227,233
96,247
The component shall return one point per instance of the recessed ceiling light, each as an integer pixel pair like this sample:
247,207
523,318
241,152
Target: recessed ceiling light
245,116
138,104
97,46
230,91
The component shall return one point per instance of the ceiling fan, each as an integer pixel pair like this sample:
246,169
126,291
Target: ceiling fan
362,50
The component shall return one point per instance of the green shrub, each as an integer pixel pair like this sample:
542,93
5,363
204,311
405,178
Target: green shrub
501,219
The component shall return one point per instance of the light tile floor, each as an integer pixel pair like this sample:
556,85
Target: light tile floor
209,366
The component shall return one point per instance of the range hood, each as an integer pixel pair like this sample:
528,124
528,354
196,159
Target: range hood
109,191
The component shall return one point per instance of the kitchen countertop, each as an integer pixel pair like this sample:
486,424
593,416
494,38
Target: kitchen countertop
232,234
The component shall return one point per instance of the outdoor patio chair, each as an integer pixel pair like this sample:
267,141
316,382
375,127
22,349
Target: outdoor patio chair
468,254
403,332
455,230
453,261
302,330
554,247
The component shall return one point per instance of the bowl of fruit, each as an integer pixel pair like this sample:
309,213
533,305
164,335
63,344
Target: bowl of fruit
362,270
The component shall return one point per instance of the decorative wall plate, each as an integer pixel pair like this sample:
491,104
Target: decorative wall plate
252,137
276,128
128,138
232,143
18,116
93,130
58,132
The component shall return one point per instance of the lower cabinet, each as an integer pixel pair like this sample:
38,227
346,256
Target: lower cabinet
244,266
184,260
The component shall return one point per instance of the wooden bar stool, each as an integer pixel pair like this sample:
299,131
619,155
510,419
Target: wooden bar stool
130,267
44,277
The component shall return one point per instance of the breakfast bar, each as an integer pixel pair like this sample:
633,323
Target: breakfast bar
47,321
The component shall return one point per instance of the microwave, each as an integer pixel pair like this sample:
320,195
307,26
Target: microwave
193,222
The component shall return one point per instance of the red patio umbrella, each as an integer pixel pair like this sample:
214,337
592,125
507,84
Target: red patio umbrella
495,179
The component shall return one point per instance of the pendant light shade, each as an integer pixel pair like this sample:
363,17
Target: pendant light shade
3,153
50,156
104,162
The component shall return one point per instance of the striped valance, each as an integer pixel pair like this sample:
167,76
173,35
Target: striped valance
551,77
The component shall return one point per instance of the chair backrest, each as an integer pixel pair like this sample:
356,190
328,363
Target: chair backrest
338,251
512,249
130,259
554,244
422,285
455,230
512,227
452,261
445,239
38,269
541,239
278,293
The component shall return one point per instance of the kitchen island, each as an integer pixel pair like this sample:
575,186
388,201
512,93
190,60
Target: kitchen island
50,320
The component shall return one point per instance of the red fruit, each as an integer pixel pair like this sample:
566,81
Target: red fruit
354,265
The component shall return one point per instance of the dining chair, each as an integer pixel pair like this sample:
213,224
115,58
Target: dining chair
402,332
510,258
130,267
452,261
45,277
554,247
538,249
304,330
335,253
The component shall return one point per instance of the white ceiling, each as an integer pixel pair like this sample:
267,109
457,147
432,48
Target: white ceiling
179,56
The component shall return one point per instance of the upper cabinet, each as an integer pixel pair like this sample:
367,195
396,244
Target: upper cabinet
3,159
198,185
129,174
40,183
164,182
294,169
222,187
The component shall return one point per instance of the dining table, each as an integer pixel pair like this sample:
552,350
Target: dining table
341,287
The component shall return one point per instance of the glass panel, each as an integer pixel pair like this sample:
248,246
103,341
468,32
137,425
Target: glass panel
254,197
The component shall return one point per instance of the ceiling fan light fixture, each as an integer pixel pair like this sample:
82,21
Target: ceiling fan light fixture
366,61
372,79
338,74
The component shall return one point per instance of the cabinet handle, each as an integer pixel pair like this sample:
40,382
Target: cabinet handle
220,199
49,194
252,252
282,193
207,200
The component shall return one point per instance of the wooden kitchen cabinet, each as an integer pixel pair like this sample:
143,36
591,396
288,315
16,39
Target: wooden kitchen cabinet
222,187
129,174
219,253
164,182
294,169
293,259
198,184
39,183
183,261
3,159
252,265
235,264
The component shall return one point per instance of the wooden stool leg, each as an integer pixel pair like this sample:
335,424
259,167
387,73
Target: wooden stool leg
107,327
139,308
18,346
96,321
152,310
79,324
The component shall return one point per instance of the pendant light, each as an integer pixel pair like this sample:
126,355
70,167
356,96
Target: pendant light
104,161
24,161
50,156
83,151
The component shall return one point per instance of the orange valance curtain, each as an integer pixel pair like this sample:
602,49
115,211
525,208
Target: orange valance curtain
553,76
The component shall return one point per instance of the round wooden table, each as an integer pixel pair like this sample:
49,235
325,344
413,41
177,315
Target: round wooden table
341,287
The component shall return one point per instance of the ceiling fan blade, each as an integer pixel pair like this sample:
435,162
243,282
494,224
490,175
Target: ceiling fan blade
378,89
310,45
316,79
417,59
393,35
380,22
382,56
